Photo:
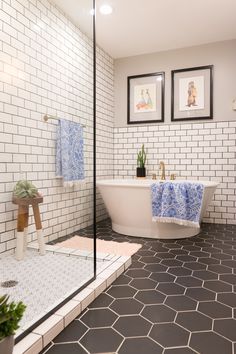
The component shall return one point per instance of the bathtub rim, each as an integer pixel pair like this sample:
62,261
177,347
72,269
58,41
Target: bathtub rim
146,183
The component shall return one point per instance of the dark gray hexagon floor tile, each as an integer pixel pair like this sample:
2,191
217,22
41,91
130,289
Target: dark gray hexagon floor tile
122,280
150,297
209,260
165,255
194,321
169,335
170,288
158,313
192,248
221,256
231,252
210,343
162,277
182,350
205,275
195,266
140,346
226,328
171,262
228,278
143,283
94,318
101,340
132,326
218,286
186,258
179,271
152,260
181,303
127,306
103,300
72,333
72,348
121,291
172,245
220,269
138,273
227,299
199,254
200,294
136,265
229,263
189,281
155,268
215,309
179,251
146,252
159,248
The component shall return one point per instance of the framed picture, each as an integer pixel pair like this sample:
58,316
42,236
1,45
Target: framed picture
192,93
146,98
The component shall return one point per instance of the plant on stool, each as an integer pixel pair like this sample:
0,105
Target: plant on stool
25,189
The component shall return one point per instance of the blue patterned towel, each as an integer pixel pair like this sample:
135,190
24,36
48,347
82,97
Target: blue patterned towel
178,203
70,152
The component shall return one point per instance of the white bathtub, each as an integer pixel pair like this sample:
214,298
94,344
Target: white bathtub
128,202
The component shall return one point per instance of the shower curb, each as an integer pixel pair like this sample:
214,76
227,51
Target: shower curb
41,336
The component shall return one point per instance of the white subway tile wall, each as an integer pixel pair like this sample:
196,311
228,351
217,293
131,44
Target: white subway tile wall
194,151
46,67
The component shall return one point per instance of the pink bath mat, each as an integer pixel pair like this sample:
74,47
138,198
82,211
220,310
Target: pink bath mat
111,247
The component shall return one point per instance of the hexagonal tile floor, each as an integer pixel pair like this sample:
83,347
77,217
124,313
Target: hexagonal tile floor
178,297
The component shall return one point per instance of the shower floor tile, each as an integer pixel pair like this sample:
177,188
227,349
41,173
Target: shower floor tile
177,297
44,281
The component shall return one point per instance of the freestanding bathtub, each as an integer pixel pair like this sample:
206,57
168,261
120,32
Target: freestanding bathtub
128,202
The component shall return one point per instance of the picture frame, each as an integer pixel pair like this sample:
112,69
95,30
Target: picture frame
145,103
192,93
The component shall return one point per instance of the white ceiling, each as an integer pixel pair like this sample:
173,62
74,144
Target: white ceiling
145,26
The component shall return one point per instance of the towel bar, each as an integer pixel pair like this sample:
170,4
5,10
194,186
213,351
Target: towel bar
46,117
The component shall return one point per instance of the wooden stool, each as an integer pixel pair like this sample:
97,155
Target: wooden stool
22,224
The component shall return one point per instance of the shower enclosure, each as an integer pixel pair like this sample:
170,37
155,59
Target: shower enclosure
48,68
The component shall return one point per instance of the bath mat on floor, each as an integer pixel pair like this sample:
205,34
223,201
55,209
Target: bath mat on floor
112,247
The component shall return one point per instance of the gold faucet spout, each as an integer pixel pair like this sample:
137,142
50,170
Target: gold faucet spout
163,171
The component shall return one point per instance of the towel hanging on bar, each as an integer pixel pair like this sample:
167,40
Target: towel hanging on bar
70,152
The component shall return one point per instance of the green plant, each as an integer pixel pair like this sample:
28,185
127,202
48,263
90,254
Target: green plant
141,159
10,315
25,189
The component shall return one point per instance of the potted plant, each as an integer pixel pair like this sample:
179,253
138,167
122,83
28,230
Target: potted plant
10,316
141,160
25,189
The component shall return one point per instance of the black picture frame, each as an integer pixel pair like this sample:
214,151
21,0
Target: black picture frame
151,115
205,81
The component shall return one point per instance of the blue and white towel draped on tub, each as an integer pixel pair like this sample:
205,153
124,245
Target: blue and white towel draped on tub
178,203
70,152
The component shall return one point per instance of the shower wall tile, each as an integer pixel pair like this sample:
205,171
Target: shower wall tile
193,151
46,67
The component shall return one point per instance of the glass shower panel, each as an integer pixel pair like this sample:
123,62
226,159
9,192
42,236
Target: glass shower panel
47,240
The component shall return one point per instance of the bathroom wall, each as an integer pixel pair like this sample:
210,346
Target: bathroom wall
222,55
196,149
191,150
46,67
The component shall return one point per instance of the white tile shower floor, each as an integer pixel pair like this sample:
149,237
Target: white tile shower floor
43,281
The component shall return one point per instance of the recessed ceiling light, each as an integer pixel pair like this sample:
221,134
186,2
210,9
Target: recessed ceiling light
105,9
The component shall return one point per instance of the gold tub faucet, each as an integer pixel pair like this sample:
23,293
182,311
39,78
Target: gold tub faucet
163,171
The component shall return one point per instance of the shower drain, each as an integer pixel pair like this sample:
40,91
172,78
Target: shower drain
9,283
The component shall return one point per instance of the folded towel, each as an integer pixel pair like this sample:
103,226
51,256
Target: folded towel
178,203
70,152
